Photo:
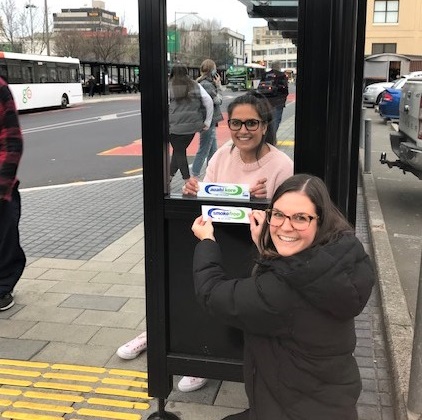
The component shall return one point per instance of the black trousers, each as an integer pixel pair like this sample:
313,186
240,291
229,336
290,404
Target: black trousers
180,142
12,257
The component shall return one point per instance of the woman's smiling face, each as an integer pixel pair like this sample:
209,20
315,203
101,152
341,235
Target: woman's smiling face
247,141
286,239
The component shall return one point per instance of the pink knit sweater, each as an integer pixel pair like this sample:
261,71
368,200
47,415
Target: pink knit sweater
227,166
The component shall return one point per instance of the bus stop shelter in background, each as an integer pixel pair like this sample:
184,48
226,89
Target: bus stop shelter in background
330,40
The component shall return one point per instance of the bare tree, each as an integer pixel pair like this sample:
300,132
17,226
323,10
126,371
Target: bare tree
11,25
71,44
107,45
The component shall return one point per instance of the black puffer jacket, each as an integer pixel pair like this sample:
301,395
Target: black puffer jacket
297,314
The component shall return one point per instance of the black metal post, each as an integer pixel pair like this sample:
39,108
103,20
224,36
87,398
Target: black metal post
327,66
153,50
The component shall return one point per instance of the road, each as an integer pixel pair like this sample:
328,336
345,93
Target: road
93,141
63,146
400,198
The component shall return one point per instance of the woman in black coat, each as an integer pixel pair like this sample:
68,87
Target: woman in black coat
297,310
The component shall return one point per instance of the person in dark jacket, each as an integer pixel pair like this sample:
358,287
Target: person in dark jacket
279,93
12,256
297,310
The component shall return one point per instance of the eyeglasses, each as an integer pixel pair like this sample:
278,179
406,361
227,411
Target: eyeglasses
299,221
250,125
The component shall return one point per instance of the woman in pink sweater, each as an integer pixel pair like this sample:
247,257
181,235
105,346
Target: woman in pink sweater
251,157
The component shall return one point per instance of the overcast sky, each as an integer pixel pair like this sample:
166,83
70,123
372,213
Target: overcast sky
230,13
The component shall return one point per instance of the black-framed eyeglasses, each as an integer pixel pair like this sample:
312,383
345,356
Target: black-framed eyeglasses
299,221
250,125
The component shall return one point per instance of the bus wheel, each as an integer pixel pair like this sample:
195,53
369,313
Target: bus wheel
65,101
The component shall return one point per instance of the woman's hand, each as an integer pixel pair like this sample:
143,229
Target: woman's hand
217,80
203,229
205,127
259,190
190,187
257,220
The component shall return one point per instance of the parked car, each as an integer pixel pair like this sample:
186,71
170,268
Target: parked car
390,98
406,142
372,93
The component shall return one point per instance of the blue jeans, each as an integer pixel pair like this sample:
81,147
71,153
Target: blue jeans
277,114
207,147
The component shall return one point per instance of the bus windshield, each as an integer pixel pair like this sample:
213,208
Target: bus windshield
244,77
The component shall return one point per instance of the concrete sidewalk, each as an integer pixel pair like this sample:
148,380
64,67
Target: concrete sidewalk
82,296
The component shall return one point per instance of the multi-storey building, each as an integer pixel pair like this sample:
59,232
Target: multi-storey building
393,37
87,19
269,46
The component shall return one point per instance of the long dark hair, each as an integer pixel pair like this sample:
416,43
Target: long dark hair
180,82
331,222
263,109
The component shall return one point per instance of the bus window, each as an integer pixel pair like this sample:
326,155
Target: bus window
27,72
74,74
63,73
40,73
52,72
14,71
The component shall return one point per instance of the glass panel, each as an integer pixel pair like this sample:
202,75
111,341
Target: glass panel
379,17
380,6
393,6
242,51
392,17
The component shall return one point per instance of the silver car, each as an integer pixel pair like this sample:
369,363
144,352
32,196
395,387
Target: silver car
372,93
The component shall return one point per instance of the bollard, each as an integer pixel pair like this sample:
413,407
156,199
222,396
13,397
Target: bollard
362,128
414,399
367,164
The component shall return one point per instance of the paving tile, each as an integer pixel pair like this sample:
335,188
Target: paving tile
232,394
119,278
57,263
107,266
18,349
33,272
14,329
68,275
46,314
127,291
25,285
40,299
52,331
109,319
102,303
80,288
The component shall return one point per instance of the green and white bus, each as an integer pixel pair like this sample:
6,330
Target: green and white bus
244,77
41,81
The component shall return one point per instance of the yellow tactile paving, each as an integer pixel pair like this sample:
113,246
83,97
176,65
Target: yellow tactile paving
43,391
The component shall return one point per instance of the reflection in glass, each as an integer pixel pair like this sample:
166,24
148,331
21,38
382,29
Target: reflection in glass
243,50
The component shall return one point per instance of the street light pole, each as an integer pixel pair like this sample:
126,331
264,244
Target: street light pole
47,38
30,6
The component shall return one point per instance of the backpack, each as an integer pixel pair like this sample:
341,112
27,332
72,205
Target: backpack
274,83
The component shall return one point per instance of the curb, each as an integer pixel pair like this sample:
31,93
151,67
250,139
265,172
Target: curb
397,321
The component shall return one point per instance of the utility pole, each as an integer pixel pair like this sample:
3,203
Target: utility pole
47,34
30,6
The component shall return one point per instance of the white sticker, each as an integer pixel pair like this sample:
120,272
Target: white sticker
223,190
226,214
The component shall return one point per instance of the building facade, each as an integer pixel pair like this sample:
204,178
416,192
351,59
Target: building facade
87,19
394,26
269,46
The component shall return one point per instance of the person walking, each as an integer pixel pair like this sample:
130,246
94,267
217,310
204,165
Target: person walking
12,256
91,86
211,82
279,92
297,310
190,111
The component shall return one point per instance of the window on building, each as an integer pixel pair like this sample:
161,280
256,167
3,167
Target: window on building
386,11
384,48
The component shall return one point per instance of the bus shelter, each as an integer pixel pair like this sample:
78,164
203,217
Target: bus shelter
182,339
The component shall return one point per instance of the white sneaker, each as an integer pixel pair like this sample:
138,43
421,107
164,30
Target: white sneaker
133,348
190,383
